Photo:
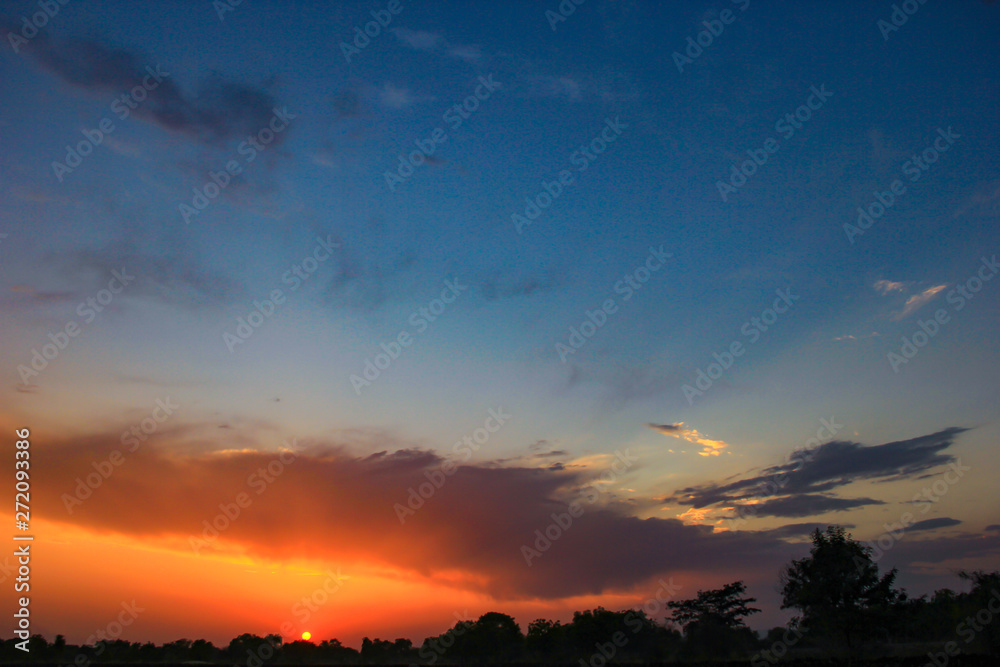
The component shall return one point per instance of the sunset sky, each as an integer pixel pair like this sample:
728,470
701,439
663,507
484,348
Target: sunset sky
399,299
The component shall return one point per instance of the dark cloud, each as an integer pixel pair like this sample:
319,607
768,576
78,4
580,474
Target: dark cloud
931,524
800,529
496,287
806,504
809,473
219,111
993,527
622,384
174,275
332,504
669,429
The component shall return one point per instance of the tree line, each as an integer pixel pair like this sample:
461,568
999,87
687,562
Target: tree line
844,609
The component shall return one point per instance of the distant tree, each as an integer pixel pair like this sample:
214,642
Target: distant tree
202,650
299,652
838,591
713,622
383,651
253,650
613,636
982,622
332,651
546,641
723,606
494,637
176,651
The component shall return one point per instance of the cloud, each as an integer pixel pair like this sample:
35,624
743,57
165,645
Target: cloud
495,287
366,283
394,97
330,503
221,110
709,447
800,529
806,504
931,524
465,52
418,39
853,337
984,201
422,40
175,276
809,474
556,86
917,300
888,286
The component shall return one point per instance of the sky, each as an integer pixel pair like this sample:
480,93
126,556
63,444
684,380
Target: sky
358,318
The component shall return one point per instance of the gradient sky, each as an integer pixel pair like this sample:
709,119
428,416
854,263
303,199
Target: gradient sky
820,375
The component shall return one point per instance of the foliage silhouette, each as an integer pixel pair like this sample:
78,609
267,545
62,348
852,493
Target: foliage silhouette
841,600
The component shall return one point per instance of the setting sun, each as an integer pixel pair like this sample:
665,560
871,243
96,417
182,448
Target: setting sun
306,635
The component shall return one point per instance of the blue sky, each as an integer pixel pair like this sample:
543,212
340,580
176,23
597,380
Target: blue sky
656,185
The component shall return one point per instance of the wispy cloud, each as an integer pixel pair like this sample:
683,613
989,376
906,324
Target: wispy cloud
433,42
888,286
219,111
709,447
931,524
915,302
396,97
418,39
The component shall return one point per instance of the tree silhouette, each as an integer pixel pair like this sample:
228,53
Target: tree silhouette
713,621
838,590
723,606
985,594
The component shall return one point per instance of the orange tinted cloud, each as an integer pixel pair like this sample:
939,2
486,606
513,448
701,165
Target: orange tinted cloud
325,503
